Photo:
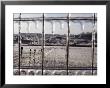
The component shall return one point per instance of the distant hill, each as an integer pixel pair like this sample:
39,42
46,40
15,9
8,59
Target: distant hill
56,39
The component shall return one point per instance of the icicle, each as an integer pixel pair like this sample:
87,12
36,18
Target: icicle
28,27
82,26
61,25
53,27
36,24
70,15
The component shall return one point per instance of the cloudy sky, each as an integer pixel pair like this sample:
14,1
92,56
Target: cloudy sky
58,27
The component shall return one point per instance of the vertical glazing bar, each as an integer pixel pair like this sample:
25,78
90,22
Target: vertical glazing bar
34,60
19,42
30,58
93,43
42,43
67,44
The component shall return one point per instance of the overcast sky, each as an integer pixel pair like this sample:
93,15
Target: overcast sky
58,27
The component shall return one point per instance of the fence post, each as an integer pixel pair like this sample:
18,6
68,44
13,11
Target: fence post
93,43
67,44
43,43
19,42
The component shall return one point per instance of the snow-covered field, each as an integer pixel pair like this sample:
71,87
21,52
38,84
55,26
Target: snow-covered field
54,58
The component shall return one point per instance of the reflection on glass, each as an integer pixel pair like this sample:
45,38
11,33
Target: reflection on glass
80,41
55,45
31,41
44,44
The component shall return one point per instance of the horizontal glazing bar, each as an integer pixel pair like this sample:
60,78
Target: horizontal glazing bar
55,18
